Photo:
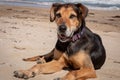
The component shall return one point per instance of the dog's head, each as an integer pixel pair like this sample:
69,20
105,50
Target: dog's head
68,18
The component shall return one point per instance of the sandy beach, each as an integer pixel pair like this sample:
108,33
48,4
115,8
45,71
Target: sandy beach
27,32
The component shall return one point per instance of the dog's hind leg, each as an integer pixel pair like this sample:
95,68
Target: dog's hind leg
86,70
41,58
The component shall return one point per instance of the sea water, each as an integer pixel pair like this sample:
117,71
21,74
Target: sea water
92,4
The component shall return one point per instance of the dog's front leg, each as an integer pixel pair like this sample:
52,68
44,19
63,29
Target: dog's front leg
47,57
50,67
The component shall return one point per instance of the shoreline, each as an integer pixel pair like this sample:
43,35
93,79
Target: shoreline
10,3
47,4
27,32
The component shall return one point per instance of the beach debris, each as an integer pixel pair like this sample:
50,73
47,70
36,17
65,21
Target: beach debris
3,31
24,11
50,30
17,41
92,14
2,63
116,62
44,43
111,19
14,27
28,33
19,48
92,21
10,9
117,16
6,22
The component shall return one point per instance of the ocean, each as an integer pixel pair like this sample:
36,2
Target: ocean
92,4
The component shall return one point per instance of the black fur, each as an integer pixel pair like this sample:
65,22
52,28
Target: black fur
89,42
61,46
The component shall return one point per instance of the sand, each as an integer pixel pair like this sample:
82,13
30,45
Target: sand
27,32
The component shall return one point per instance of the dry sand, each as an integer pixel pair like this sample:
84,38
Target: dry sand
26,32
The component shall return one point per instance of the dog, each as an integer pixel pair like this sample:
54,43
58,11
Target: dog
77,47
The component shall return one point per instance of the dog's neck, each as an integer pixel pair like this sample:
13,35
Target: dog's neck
77,35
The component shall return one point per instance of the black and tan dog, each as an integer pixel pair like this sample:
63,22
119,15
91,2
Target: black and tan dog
77,47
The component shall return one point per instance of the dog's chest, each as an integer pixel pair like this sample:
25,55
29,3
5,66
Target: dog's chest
73,48
61,46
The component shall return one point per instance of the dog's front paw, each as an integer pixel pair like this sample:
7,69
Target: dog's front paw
24,74
41,60
57,79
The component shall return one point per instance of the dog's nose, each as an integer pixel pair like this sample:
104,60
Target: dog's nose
62,28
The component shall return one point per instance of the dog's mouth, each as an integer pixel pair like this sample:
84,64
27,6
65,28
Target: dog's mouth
64,38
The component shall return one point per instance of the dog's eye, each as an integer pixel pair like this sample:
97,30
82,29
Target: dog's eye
58,15
72,16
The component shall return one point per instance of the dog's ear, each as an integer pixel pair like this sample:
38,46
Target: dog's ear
83,9
53,10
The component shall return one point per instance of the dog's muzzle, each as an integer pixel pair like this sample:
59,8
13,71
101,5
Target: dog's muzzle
62,28
62,34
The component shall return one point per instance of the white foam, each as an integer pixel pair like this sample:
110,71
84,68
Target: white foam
104,8
100,4
85,1
96,1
